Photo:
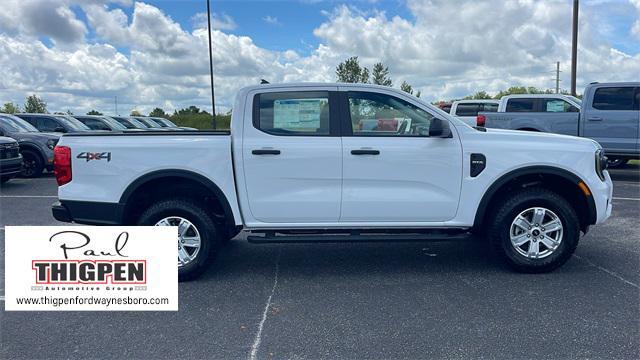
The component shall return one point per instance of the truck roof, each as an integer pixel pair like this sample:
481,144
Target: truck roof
624,83
478,101
315,84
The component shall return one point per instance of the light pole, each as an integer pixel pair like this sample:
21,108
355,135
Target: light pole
213,103
574,47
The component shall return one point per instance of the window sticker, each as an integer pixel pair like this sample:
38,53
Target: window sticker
297,114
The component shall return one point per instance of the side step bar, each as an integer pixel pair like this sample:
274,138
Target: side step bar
351,238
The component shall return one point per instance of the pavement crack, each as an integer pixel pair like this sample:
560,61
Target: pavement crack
258,339
612,273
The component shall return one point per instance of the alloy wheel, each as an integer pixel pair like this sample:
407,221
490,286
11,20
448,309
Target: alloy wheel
189,239
536,232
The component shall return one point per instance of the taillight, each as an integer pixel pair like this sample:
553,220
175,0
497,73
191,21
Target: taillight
62,164
481,120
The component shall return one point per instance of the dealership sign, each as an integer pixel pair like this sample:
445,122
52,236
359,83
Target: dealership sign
91,268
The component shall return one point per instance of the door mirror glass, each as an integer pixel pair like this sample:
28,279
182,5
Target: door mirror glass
439,128
59,129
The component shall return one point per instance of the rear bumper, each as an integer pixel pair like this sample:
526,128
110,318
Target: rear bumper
10,167
86,212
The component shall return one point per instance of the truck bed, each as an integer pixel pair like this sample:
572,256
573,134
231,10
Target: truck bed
559,123
104,167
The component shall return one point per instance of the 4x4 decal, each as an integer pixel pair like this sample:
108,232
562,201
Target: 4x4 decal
88,156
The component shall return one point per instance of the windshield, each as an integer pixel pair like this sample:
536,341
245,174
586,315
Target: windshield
158,121
15,124
113,124
168,123
73,123
575,99
149,123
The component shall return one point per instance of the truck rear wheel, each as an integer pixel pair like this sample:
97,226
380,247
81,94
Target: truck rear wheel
535,230
198,236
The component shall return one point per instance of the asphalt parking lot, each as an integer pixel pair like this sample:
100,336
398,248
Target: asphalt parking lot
409,300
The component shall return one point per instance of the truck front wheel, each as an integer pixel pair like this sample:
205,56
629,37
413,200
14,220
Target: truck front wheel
198,237
535,230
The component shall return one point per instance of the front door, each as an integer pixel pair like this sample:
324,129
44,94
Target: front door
393,171
611,119
292,158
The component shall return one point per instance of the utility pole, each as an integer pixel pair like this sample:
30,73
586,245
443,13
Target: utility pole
574,47
557,77
213,102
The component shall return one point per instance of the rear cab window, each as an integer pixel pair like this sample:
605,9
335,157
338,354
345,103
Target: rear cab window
301,113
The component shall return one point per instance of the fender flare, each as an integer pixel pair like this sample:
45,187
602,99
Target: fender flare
530,170
32,146
185,174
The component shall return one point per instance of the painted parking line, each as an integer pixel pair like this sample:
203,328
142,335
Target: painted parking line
28,196
624,198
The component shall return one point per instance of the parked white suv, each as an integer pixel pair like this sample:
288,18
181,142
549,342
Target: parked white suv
303,162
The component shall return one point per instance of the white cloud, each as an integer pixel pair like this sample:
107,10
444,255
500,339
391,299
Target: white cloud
444,51
272,20
218,21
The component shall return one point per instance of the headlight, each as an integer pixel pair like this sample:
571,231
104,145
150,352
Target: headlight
51,143
601,163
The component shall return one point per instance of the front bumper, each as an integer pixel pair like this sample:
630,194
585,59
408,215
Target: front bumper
603,197
10,167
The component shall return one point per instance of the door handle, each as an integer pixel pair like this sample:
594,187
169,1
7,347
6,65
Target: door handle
365,152
265,152
594,118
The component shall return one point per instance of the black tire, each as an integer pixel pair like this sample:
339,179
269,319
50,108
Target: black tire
32,164
511,207
616,162
198,216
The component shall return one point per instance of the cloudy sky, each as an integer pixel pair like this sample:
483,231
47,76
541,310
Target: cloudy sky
81,54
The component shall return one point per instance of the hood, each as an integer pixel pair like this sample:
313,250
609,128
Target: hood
518,139
35,136
6,140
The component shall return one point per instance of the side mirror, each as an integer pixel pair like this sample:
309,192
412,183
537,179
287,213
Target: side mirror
439,128
59,129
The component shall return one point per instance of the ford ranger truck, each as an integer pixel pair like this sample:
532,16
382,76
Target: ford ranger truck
608,113
298,165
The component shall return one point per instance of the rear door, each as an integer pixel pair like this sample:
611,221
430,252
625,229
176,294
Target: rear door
394,172
611,119
292,157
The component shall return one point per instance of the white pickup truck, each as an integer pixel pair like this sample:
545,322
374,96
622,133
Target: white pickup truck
303,162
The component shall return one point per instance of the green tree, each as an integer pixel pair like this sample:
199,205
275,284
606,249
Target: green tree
480,95
94,112
157,112
350,71
380,75
418,93
10,108
406,87
34,104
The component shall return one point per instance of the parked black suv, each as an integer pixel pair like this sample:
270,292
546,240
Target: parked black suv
10,159
54,123
36,147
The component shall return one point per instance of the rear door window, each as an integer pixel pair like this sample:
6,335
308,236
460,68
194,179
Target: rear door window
614,98
520,105
557,105
304,113
47,124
